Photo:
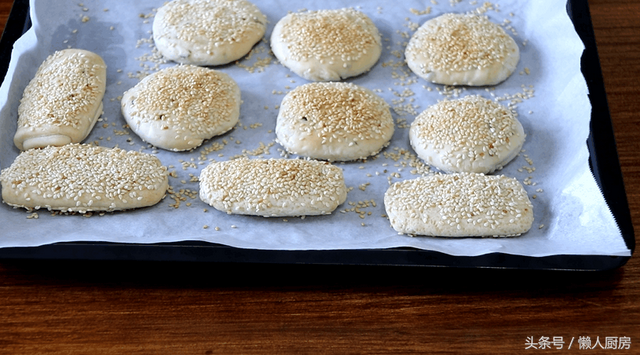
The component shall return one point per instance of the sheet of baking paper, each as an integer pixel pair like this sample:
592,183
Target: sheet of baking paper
547,91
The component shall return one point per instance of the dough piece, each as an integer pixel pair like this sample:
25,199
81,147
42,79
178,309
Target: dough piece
471,134
334,121
177,108
459,205
462,49
273,187
83,178
207,32
326,45
63,101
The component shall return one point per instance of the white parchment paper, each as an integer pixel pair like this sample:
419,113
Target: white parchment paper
547,91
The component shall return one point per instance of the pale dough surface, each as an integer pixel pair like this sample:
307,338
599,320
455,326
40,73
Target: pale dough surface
63,101
207,32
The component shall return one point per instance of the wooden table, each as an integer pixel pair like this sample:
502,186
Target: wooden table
167,308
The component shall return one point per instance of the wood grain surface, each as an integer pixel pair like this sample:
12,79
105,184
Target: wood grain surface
72,307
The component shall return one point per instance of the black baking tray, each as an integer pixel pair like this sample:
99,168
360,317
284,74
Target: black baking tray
604,163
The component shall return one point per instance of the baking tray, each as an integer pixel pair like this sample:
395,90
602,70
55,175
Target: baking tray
604,164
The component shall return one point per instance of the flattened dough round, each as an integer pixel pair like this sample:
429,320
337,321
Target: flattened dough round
462,49
207,32
334,121
177,108
273,187
459,205
472,134
83,178
63,101
326,45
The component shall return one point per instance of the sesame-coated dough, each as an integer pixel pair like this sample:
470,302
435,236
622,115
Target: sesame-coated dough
207,32
334,121
177,108
326,45
459,205
63,101
273,187
462,49
83,178
472,134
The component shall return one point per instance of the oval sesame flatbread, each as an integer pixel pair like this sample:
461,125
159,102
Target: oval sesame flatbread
459,205
462,49
177,108
207,32
273,187
472,134
326,45
334,121
83,178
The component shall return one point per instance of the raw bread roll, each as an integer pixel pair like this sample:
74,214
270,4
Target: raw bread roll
326,45
62,103
177,108
334,121
462,49
83,178
207,32
471,134
273,187
459,205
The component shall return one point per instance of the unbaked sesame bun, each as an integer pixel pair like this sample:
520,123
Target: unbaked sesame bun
334,121
462,49
326,45
471,134
207,32
83,178
273,187
63,101
177,108
459,205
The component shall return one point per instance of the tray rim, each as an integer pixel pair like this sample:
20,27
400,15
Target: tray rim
603,157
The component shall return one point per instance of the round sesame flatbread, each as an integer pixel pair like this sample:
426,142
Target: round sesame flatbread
83,178
334,121
207,32
472,134
459,205
177,108
273,187
462,49
326,45
63,101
